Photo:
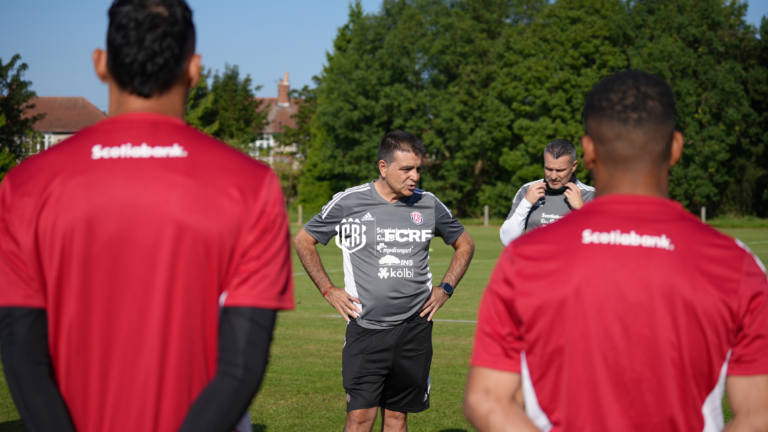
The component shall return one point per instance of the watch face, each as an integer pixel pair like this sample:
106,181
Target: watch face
447,288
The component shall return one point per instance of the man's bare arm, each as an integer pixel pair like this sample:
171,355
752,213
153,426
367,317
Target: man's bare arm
306,248
464,248
748,397
489,401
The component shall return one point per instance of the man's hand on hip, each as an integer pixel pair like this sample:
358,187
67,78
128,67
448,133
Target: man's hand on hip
435,301
343,302
536,192
574,196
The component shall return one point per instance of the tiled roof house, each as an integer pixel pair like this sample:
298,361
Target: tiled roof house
281,109
63,117
66,115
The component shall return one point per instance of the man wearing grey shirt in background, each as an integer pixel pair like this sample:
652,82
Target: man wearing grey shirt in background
384,230
546,200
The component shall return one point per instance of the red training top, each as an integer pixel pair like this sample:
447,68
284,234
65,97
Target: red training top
625,315
128,234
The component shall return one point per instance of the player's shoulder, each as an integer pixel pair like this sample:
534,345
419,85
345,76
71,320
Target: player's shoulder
347,195
584,187
524,188
421,194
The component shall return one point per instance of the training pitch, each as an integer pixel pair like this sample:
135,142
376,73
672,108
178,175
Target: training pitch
302,390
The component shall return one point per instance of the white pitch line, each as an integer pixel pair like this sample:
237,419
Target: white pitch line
758,242
441,320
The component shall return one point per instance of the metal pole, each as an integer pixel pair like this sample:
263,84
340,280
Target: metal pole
299,214
704,214
486,215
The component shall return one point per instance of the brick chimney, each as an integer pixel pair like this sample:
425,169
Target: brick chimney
283,87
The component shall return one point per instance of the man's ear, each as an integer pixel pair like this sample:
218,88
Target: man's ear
100,65
588,145
193,70
383,169
677,148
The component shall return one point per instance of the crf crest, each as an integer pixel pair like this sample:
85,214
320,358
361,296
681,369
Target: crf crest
350,235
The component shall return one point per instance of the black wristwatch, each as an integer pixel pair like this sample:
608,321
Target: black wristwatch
447,288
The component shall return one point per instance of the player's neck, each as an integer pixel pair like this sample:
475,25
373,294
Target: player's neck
385,191
170,103
626,183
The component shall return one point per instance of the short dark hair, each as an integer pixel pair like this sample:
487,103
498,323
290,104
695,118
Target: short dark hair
399,141
148,44
561,147
631,115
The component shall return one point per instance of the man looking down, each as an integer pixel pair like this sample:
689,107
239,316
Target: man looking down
676,314
118,246
547,200
384,230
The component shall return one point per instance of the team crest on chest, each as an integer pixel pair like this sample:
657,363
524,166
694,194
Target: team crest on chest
417,218
350,235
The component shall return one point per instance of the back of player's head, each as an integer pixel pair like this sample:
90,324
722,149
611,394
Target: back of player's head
399,141
561,147
148,44
631,117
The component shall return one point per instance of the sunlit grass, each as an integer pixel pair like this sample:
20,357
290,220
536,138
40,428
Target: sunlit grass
302,390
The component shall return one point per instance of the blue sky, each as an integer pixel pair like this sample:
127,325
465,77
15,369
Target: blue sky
264,38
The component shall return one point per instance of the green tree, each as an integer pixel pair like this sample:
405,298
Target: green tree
757,88
16,131
289,164
226,108
709,55
544,71
417,65
487,83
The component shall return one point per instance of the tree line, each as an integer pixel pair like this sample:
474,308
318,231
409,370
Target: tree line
222,104
487,84
16,129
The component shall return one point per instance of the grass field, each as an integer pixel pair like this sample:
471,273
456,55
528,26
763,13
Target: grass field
302,390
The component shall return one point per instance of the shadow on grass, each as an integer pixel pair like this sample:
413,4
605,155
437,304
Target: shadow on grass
454,430
256,428
12,426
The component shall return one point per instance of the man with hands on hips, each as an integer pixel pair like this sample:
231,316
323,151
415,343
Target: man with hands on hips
384,230
547,200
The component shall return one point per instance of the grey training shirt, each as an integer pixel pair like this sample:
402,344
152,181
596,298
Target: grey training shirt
524,216
385,247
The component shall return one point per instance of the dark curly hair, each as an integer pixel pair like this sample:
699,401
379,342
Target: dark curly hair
399,141
631,115
148,44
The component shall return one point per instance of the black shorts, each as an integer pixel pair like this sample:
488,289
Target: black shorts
388,368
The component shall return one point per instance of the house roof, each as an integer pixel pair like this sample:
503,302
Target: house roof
279,116
64,114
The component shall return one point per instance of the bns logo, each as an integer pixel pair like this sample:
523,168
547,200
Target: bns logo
350,235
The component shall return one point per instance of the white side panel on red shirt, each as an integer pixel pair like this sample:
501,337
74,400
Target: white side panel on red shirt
532,408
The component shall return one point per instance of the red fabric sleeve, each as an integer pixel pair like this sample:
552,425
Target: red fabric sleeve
263,277
499,338
20,282
750,351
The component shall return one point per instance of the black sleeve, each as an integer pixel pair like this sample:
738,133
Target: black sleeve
244,338
28,369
